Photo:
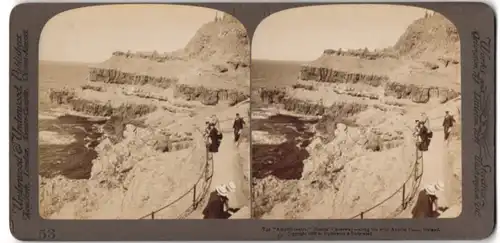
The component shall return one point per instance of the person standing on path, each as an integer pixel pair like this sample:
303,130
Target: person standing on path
427,202
214,140
448,123
237,127
215,122
218,202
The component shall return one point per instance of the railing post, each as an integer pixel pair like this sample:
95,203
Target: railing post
361,215
403,199
153,215
194,196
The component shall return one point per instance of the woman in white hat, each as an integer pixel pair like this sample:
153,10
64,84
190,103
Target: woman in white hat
217,203
427,202
232,205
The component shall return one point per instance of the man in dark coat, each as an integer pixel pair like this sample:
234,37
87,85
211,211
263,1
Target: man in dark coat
448,123
237,127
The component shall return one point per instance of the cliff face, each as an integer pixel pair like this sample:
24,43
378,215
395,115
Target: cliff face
219,50
99,108
328,75
209,96
280,97
419,94
118,77
430,47
363,53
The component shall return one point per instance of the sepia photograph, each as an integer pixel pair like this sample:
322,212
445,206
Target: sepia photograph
144,114
356,114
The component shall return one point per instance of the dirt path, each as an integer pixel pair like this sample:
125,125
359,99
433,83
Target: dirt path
226,168
434,158
435,165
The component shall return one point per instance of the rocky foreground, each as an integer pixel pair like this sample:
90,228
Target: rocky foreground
155,106
365,103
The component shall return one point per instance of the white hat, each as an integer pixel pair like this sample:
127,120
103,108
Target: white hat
430,189
231,187
221,190
439,186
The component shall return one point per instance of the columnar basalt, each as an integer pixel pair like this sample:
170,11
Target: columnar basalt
98,108
330,75
120,77
419,94
209,96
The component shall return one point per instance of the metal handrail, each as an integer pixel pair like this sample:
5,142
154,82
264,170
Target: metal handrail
208,170
404,200
192,189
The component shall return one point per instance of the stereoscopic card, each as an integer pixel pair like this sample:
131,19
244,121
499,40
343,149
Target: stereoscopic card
252,121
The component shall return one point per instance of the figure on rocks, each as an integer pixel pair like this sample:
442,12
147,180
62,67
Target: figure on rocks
237,127
218,202
427,202
448,123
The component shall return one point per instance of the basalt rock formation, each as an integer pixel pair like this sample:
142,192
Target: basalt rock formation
209,96
321,74
99,108
419,94
430,52
120,77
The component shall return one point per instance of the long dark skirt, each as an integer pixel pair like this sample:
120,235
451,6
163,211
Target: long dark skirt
214,147
215,208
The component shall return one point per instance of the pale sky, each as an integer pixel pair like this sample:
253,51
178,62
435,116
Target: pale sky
302,34
92,34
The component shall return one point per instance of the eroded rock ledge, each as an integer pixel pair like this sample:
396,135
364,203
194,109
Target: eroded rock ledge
320,74
97,108
119,77
362,53
279,97
153,56
419,94
209,96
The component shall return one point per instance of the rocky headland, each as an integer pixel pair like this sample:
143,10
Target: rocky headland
153,107
357,110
